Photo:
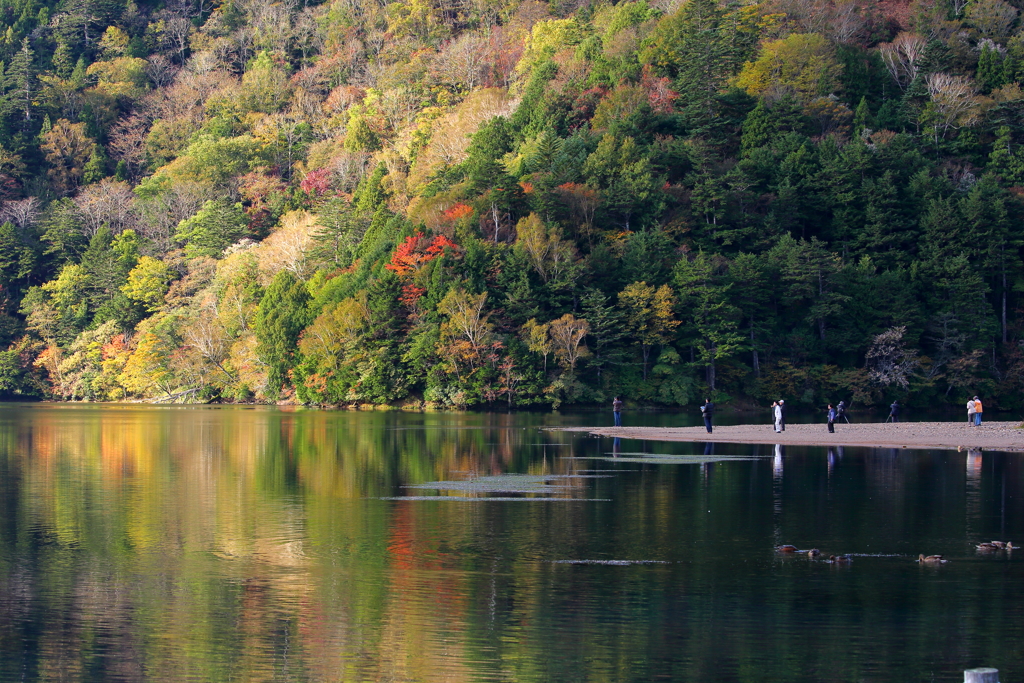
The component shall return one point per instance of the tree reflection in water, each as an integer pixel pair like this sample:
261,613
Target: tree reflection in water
241,543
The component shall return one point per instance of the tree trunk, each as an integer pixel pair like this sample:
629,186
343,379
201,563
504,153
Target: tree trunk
753,349
1004,302
821,293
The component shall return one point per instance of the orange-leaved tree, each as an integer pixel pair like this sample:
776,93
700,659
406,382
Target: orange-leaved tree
416,251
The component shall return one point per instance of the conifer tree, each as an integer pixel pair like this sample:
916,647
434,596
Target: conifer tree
606,330
713,321
991,74
691,46
1007,159
280,319
17,260
861,116
20,81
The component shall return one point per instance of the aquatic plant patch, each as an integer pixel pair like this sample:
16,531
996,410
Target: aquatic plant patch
511,483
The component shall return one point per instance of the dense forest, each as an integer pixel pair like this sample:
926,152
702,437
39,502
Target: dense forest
512,202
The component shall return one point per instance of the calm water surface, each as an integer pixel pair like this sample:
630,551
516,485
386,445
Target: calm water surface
264,544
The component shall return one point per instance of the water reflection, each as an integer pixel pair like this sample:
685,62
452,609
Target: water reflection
215,544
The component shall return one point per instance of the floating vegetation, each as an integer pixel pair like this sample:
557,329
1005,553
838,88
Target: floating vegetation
511,483
677,455
666,459
499,499
614,563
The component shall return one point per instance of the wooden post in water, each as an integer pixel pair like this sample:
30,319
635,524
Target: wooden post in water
982,675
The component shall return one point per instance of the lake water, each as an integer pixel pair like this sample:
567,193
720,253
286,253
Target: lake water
266,544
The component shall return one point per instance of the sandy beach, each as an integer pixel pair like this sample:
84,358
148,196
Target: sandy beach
997,436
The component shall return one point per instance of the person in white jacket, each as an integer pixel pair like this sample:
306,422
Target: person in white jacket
777,414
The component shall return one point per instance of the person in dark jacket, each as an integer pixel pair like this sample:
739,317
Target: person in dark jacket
708,411
894,412
617,411
831,419
841,412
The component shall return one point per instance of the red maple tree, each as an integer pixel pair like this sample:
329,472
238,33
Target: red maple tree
416,251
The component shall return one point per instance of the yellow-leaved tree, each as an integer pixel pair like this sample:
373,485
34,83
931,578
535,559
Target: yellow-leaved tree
466,332
537,338
146,372
148,282
802,65
289,247
568,333
333,338
551,256
649,316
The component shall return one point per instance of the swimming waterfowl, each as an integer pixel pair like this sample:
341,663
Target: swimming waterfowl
813,552
931,559
786,549
995,545
839,559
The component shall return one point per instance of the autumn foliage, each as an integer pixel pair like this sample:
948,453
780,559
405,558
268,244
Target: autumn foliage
457,204
416,251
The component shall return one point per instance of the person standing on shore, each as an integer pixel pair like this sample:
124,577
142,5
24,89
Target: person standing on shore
841,411
977,411
707,410
782,409
971,409
777,416
894,412
831,419
617,411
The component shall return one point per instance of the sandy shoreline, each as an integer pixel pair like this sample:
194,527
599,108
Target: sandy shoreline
997,436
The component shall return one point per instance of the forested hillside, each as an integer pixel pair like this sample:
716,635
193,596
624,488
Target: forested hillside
472,202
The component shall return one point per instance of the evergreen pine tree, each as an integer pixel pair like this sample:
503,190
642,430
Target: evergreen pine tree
861,116
17,260
371,194
78,74
1011,68
280,319
691,46
606,330
713,321
95,169
1006,159
758,128
63,60
20,81
889,116
990,69
489,144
